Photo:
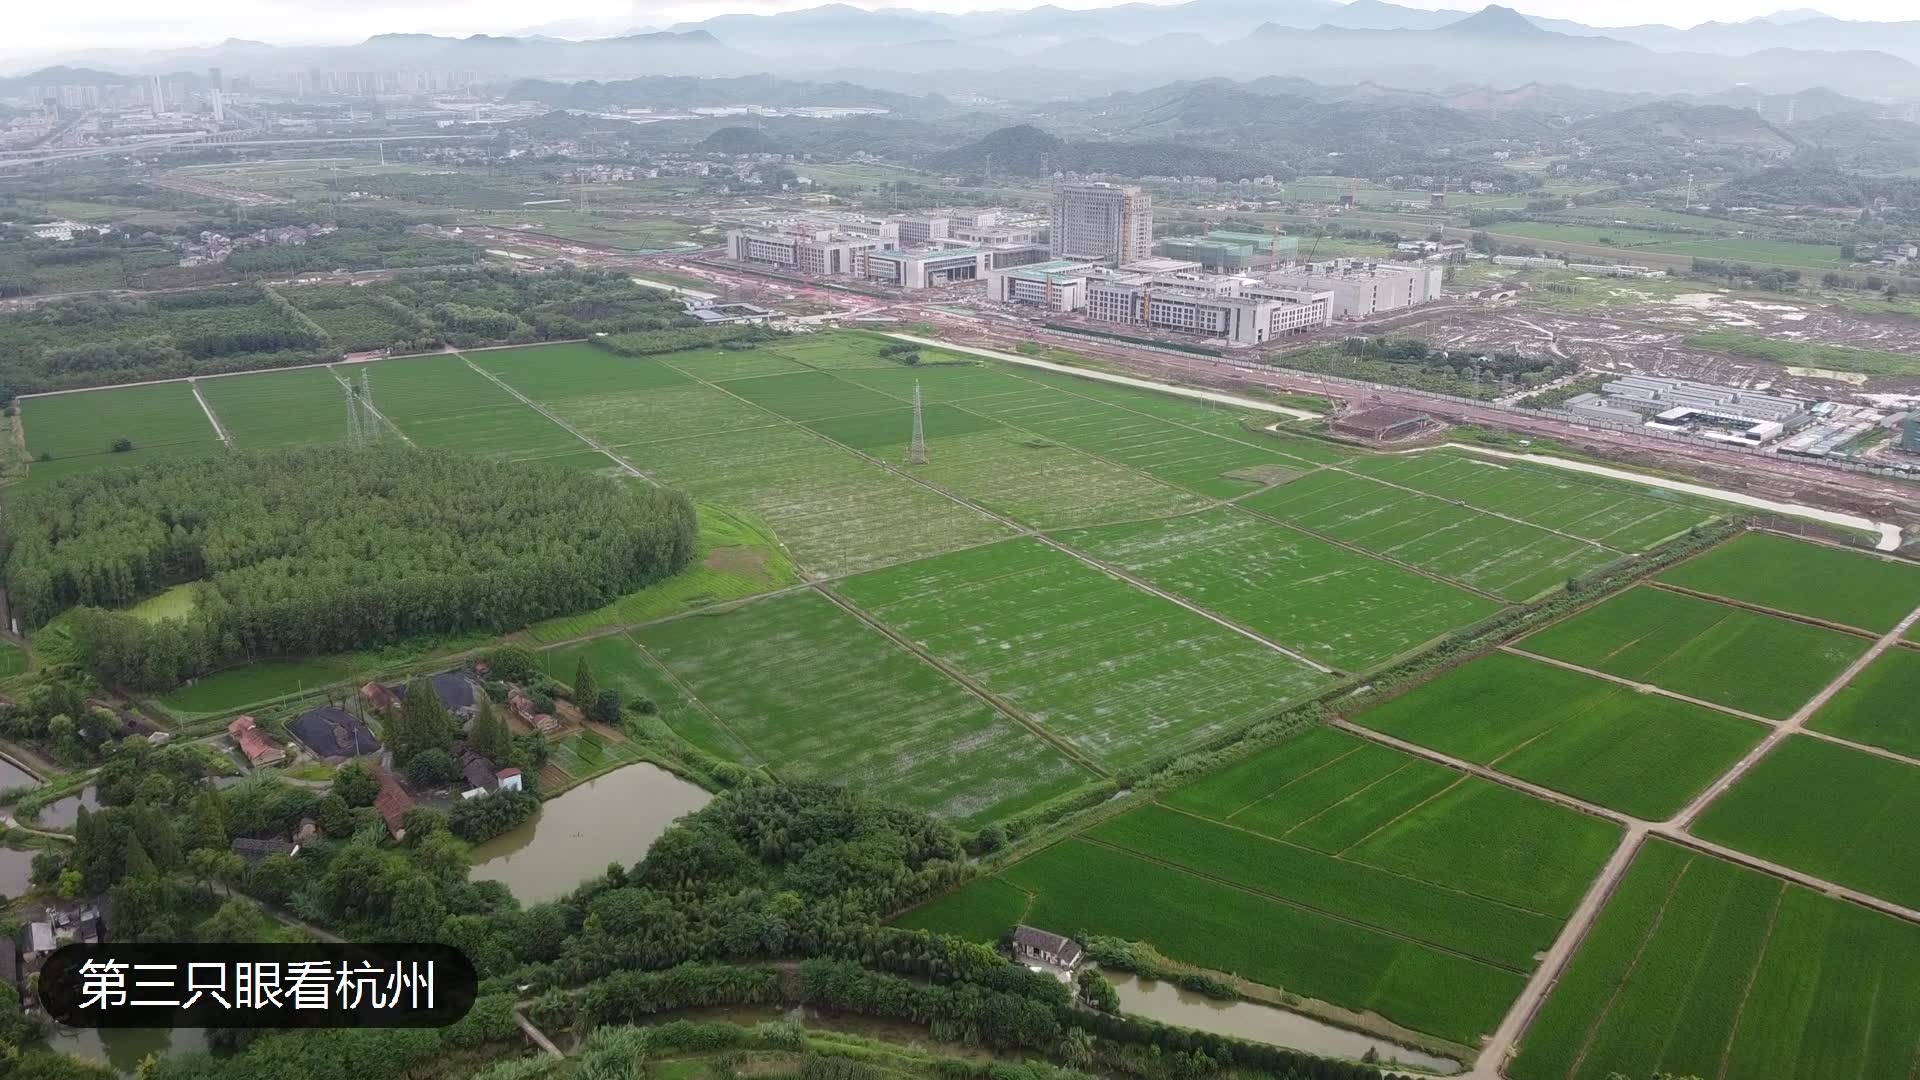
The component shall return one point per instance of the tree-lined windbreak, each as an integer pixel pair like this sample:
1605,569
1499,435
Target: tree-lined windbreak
327,549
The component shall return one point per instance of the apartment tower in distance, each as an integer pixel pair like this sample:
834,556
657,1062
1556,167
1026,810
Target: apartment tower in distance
1108,223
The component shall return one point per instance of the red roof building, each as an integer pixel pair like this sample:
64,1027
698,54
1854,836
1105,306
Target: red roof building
393,802
254,743
378,698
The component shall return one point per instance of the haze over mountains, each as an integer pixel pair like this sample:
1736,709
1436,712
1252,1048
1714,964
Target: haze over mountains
1050,52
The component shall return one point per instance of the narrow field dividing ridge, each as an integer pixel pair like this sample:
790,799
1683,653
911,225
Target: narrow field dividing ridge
194,385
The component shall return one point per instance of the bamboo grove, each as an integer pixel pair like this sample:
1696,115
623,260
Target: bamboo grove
326,550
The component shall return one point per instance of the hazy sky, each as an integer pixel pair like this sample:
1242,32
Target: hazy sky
36,27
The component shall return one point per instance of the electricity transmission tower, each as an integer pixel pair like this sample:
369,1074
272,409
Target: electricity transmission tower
363,427
917,451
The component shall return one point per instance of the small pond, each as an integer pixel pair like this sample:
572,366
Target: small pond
613,818
1167,1003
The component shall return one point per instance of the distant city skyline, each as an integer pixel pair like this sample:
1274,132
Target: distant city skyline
42,30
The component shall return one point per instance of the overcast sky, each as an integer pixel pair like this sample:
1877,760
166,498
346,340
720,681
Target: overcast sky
38,27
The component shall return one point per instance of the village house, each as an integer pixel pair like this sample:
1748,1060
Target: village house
255,850
1035,947
393,802
253,742
333,733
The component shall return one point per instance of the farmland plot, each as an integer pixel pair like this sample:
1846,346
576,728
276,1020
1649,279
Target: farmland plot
1032,480
302,407
1193,459
1124,675
620,664
1850,588
1338,607
1506,558
1461,922
817,694
620,400
714,365
1726,655
161,419
835,513
1878,706
1697,966
1367,803
441,402
1835,812
549,373
1620,517
1215,925
1643,754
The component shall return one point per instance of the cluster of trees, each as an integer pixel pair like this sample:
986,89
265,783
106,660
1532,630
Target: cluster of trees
675,339
364,247
901,352
326,549
1744,276
1461,365
54,714
95,342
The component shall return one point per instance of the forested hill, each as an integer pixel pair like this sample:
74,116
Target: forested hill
327,550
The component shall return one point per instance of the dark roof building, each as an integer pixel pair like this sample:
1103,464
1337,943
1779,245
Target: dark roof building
334,733
457,690
1384,423
255,850
1031,943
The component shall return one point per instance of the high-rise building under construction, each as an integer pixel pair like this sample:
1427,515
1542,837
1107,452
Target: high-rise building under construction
1110,223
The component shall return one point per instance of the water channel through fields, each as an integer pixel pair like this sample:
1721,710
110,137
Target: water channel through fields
613,818
1167,1003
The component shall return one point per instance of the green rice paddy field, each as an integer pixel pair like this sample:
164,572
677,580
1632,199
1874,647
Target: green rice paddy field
1832,811
1643,754
1878,706
1123,675
1700,967
1499,556
1062,594
1726,655
1328,866
1846,587
1335,605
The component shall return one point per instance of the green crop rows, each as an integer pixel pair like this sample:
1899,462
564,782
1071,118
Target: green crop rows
78,429
836,513
1125,676
1035,481
1850,588
1726,655
439,401
1632,519
1880,707
1220,926
302,407
1334,605
1644,754
817,694
1699,967
1835,812
1340,794
1507,558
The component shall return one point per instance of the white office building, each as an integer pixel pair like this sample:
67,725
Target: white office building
1206,307
1060,285
1108,223
1361,288
825,253
925,269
